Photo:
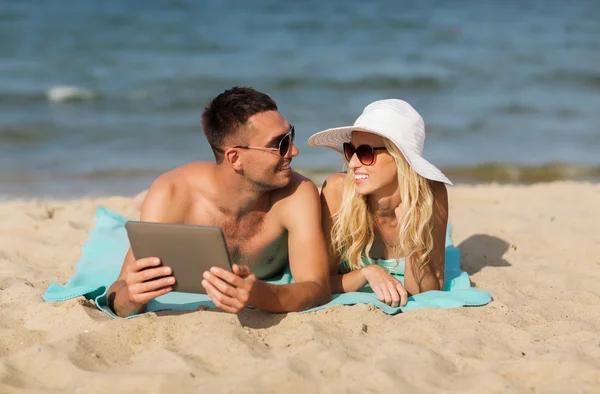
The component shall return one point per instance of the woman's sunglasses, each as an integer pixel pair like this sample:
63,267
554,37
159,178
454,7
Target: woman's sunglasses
284,144
365,153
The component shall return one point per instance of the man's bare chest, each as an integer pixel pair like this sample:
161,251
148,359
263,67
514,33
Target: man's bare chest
256,239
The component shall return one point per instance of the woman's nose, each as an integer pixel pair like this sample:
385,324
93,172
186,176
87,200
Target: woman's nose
354,163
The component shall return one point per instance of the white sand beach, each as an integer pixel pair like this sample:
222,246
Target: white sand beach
535,248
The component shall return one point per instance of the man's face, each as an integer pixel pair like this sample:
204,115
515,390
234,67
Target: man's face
267,168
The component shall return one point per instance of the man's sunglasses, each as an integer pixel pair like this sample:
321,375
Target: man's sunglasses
284,144
365,153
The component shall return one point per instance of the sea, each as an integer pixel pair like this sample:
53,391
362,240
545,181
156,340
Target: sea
100,97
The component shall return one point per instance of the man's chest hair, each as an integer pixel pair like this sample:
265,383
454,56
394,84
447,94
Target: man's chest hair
244,228
253,235
247,234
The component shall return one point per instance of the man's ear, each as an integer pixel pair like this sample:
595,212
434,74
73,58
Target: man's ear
233,159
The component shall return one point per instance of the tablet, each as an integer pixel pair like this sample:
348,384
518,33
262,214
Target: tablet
188,250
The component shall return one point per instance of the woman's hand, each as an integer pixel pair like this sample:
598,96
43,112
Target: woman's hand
387,287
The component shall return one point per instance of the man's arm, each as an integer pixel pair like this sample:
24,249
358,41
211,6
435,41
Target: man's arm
142,280
301,216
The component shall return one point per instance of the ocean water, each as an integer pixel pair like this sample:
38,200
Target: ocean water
98,98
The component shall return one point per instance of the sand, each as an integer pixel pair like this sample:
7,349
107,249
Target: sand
536,249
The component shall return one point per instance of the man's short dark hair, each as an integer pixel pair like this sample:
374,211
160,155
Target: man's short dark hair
229,112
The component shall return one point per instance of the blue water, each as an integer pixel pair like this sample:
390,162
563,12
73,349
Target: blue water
514,84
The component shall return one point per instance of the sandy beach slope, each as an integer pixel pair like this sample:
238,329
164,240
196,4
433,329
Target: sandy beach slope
535,248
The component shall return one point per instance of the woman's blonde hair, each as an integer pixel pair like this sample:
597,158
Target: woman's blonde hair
353,232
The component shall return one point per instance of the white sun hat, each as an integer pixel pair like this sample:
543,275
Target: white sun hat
395,120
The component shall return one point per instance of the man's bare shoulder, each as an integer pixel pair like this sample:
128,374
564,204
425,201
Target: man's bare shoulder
169,196
179,176
298,188
180,179
297,204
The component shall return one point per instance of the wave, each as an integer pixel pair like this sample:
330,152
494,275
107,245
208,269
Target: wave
519,109
21,98
56,94
316,26
64,94
187,96
424,82
27,134
30,177
11,16
482,173
183,94
512,173
117,173
579,78
498,172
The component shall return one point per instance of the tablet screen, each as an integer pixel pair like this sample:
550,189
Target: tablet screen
188,250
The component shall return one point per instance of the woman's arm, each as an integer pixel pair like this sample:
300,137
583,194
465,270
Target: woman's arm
345,283
388,288
432,276
331,199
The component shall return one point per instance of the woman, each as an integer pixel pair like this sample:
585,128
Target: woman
386,217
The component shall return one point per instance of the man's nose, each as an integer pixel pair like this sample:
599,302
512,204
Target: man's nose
293,151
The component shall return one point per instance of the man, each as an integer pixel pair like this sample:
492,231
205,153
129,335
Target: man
269,214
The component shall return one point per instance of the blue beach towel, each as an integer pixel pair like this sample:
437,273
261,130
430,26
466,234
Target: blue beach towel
107,244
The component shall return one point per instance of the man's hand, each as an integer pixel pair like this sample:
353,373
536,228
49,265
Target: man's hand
388,288
142,281
231,292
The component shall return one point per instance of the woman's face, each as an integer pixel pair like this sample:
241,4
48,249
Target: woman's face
379,177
